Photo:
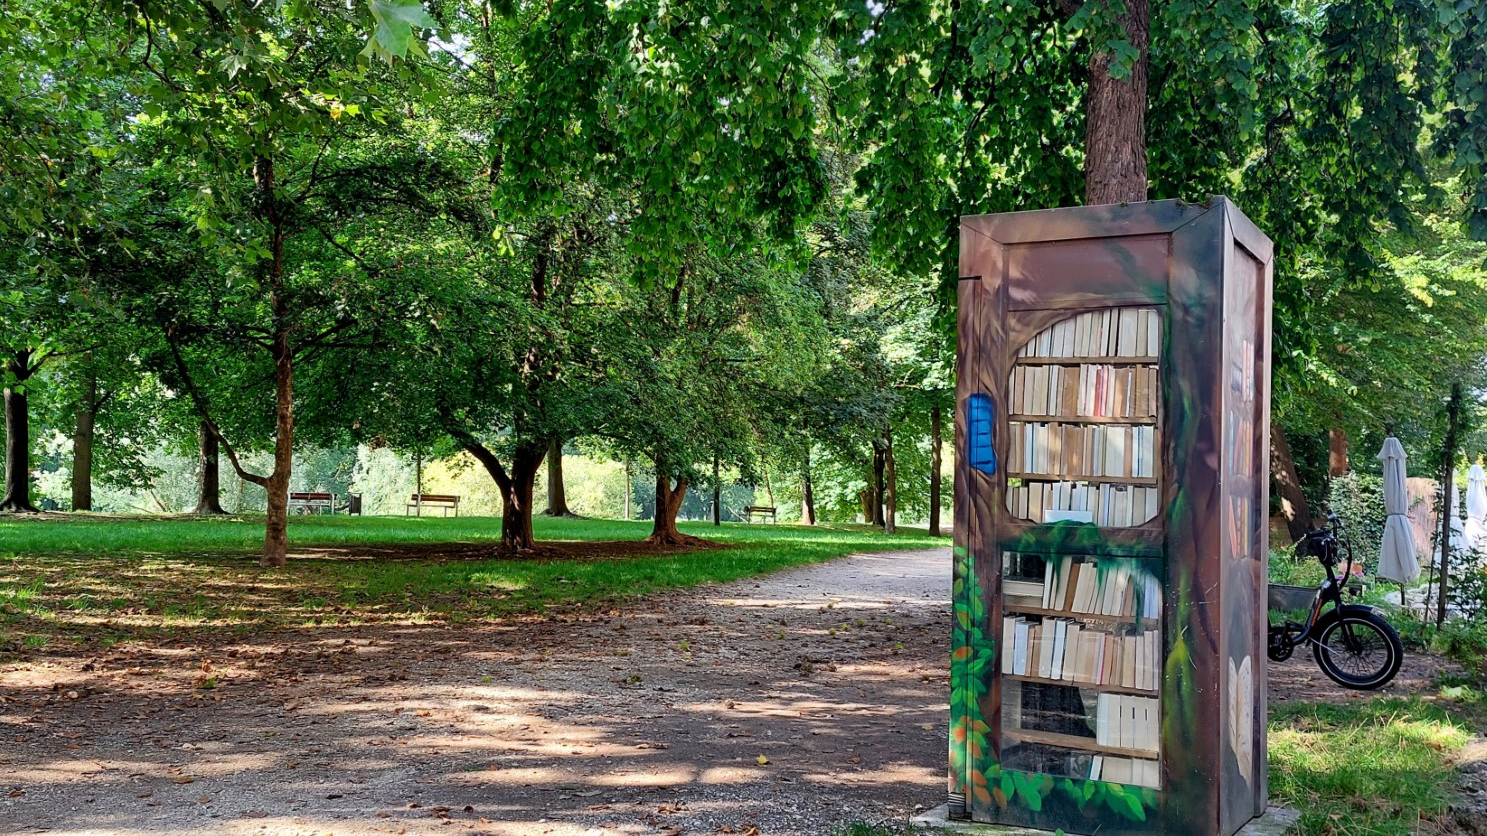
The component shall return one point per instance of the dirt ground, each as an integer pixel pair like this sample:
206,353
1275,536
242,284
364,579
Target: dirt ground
784,706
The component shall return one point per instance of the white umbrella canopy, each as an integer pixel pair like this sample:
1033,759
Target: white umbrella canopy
1475,530
1458,528
1397,561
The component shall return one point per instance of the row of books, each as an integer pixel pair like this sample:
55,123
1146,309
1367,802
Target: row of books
1117,332
1065,650
1137,771
1083,450
1112,506
1102,587
1086,390
1128,722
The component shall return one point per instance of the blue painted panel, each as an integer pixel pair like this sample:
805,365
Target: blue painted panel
980,417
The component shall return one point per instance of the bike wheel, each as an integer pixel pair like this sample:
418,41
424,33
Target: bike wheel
1358,650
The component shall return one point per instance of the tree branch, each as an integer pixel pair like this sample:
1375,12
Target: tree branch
206,416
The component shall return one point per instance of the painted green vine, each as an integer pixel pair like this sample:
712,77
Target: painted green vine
973,770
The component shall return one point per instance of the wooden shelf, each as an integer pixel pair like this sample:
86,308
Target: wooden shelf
1082,419
1111,689
1081,616
1069,741
1092,361
1110,480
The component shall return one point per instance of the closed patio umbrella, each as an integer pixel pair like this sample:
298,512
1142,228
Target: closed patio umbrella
1475,530
1397,560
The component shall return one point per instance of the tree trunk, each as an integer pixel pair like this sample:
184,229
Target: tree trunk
879,465
807,492
668,503
1115,118
17,497
82,442
515,486
1448,478
516,502
890,491
209,474
717,493
1337,452
557,495
935,444
1292,500
276,521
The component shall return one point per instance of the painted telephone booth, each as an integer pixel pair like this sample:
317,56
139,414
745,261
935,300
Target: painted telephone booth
1108,668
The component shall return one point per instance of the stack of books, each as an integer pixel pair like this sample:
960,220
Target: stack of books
1082,450
1140,772
1126,332
1104,587
1128,722
1085,390
1066,650
1105,505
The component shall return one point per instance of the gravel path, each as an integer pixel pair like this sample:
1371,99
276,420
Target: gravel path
788,705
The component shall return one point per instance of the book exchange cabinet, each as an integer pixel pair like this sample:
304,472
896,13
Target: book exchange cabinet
1108,664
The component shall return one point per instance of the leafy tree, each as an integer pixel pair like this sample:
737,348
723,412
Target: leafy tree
244,103
708,346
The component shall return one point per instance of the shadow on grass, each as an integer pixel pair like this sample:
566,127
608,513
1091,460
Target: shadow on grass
110,581
1375,767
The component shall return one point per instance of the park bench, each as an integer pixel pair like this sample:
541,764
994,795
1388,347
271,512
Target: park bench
443,501
761,511
312,502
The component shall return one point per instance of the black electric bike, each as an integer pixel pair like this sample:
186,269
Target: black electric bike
1352,643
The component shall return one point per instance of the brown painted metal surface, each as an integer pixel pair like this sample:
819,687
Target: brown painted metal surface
1205,270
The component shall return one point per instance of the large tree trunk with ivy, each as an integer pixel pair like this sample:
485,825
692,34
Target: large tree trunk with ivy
1115,115
17,497
669,499
82,442
1293,502
557,494
208,474
935,444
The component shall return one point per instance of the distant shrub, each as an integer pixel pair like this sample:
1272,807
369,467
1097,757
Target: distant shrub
1358,500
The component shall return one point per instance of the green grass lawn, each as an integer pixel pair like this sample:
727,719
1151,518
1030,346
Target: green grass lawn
1374,767
96,581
